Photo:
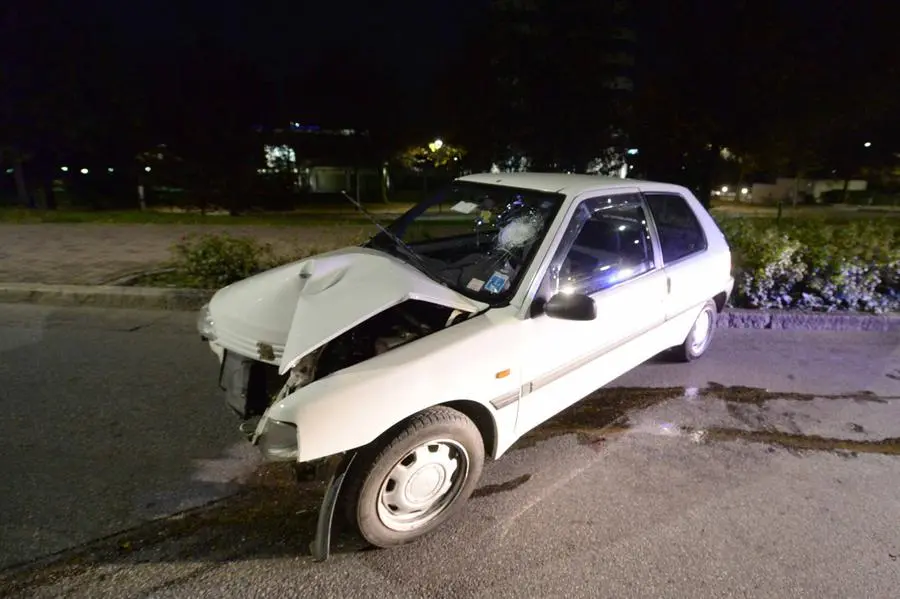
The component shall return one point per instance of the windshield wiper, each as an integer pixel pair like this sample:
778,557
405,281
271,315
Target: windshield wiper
410,253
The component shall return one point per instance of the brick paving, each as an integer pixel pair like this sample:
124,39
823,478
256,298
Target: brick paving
94,254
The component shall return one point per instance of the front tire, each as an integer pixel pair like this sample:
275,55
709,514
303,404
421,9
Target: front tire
412,482
701,334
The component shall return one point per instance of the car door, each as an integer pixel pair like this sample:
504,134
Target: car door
606,252
691,270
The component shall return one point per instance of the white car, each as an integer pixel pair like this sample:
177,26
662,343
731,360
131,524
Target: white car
470,320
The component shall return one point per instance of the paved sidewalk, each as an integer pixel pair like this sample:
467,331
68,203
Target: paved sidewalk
93,254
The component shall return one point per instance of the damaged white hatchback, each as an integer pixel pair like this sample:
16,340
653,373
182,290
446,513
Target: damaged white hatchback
470,320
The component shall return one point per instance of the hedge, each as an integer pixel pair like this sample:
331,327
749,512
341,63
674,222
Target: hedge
815,266
801,264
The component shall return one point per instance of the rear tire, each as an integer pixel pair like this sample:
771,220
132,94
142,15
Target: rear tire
408,484
700,337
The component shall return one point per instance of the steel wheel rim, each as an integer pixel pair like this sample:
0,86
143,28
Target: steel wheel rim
702,330
422,484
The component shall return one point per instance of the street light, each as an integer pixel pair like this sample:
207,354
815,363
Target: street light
868,144
436,145
147,168
724,189
64,169
84,171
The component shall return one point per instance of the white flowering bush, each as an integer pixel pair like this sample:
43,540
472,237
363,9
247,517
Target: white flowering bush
767,267
815,266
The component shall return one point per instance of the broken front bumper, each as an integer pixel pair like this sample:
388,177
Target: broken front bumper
247,385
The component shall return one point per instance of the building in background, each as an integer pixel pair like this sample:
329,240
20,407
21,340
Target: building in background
322,161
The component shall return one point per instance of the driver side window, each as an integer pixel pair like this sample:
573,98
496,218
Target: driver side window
609,245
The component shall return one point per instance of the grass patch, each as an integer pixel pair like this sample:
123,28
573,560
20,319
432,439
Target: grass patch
153,217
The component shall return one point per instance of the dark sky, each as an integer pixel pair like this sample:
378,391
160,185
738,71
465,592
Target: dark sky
272,55
290,36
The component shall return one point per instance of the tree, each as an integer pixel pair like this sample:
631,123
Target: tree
435,155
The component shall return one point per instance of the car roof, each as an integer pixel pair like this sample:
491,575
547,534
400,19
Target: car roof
569,184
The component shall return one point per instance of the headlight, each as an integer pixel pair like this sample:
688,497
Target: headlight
205,324
278,441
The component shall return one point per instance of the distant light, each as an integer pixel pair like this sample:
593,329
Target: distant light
868,144
147,168
436,145
744,190
64,169
455,158
9,171
724,189
84,171
110,169
632,151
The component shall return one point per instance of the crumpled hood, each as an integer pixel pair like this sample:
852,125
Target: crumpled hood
312,301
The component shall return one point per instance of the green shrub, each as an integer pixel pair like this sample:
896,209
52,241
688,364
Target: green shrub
213,261
811,265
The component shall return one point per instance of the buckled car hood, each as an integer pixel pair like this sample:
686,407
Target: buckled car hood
308,303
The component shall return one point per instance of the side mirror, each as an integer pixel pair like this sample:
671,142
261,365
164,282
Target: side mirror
571,306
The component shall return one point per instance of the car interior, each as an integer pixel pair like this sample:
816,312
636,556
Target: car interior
608,249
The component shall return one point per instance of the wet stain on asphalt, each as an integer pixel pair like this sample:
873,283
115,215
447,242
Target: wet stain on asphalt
601,413
756,396
804,443
605,412
488,490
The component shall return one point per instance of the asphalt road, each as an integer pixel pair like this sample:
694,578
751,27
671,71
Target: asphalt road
109,417
113,417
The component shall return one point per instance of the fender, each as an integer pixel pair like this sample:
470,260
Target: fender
458,363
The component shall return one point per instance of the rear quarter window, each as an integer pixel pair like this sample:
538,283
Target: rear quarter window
680,233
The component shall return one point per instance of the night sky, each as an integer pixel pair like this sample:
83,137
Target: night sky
283,38
360,60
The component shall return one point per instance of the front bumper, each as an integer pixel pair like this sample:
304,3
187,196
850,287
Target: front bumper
249,386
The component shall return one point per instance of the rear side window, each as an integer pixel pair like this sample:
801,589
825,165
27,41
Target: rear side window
680,233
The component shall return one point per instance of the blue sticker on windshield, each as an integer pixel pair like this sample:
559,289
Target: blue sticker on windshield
496,283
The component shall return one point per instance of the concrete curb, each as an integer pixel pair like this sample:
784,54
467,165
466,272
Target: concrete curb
793,320
158,298
104,296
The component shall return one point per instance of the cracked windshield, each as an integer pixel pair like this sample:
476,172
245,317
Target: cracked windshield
476,239
524,299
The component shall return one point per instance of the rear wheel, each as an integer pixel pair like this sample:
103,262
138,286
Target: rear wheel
701,335
409,484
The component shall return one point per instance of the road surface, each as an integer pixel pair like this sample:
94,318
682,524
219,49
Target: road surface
769,490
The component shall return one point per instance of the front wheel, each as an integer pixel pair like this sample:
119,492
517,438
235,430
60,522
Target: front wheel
410,484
